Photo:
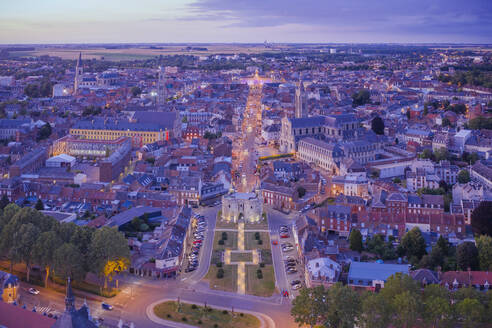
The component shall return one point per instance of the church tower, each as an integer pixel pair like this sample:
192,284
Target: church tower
78,73
162,87
301,101
69,298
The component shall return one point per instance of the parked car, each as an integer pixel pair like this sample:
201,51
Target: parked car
106,306
295,282
291,271
296,287
33,291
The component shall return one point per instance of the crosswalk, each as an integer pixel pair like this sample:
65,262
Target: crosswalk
43,309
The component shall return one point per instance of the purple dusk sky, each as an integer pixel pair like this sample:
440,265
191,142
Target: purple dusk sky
62,21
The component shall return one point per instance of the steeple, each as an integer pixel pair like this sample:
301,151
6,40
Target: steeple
79,61
79,70
300,100
69,298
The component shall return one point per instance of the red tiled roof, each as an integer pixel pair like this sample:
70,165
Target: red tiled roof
466,277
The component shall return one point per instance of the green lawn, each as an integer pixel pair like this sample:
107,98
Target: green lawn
260,287
230,242
251,243
201,317
241,257
227,283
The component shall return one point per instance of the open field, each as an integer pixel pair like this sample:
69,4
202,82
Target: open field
230,242
228,283
139,52
260,287
201,317
251,243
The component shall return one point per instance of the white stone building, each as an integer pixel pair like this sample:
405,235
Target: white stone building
245,206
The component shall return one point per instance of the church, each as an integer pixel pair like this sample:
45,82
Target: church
73,318
106,80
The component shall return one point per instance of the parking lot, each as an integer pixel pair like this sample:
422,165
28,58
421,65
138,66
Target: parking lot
191,260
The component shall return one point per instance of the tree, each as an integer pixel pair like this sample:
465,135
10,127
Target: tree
39,205
470,312
377,125
24,240
375,311
109,253
68,262
464,176
426,154
355,239
413,244
437,310
406,306
441,154
408,114
44,132
301,191
361,97
44,249
309,307
446,122
467,256
136,91
343,307
484,246
481,219
4,201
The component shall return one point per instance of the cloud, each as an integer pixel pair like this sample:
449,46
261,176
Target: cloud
465,20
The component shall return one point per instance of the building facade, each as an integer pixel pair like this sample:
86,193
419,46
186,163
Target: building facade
241,206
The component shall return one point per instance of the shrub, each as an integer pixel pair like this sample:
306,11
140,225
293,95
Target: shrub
220,273
219,264
224,235
241,314
257,235
259,274
221,242
193,306
184,319
168,315
260,242
224,312
262,265
216,325
199,322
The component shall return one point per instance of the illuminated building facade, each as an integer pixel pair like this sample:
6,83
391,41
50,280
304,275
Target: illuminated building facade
100,129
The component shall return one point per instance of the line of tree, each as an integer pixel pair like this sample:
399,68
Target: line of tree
442,256
63,249
402,303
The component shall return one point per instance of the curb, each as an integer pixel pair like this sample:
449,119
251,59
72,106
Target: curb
265,320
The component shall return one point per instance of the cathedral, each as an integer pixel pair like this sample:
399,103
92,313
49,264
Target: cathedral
106,80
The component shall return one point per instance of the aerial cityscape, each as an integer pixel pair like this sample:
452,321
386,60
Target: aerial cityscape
249,164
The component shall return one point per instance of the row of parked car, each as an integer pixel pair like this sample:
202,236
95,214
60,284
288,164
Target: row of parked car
198,233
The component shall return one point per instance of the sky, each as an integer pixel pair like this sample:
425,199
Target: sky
245,21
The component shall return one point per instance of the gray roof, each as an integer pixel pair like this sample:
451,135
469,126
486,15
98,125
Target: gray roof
374,271
305,122
102,124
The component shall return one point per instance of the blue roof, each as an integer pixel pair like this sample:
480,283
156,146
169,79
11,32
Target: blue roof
374,271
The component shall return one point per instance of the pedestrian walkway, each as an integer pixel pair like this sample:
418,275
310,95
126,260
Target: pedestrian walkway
240,236
241,278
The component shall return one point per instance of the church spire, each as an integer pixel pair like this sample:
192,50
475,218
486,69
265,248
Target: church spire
69,298
79,61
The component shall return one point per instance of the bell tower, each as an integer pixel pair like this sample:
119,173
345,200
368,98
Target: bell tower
79,70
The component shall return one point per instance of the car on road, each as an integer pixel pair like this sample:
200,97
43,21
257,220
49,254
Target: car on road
290,258
284,235
33,291
295,282
106,306
296,287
